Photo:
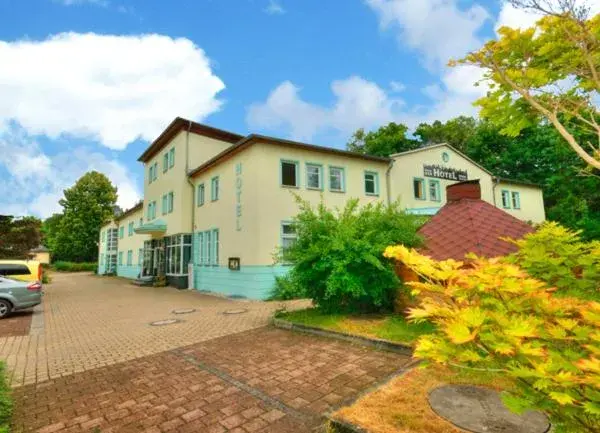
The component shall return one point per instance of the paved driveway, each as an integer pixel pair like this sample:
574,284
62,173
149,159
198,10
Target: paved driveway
92,363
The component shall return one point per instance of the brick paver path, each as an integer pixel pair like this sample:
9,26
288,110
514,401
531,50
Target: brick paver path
263,380
92,363
88,321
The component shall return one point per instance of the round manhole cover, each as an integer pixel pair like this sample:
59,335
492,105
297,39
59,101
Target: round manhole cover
184,310
480,410
164,322
236,311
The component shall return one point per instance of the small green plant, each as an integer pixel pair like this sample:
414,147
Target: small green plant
286,288
6,402
61,266
338,256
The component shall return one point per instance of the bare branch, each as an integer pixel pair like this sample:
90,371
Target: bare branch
580,12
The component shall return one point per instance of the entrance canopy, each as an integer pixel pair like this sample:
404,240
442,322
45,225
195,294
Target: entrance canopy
151,228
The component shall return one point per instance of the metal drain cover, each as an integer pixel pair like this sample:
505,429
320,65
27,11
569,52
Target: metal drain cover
164,322
480,410
236,311
183,310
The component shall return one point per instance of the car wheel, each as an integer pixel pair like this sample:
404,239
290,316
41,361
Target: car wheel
5,308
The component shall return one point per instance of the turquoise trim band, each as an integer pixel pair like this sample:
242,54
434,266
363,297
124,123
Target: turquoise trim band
252,282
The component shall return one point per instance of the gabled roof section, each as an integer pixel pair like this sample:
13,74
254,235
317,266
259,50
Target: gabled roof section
181,124
131,210
435,146
255,138
468,225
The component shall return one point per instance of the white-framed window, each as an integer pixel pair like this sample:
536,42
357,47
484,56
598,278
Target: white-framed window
120,258
505,199
151,210
170,198
371,183
434,190
200,196
140,256
288,235
155,171
129,257
208,248
419,188
214,188
151,174
171,157
121,232
337,179
289,173
165,162
516,200
163,208
130,229
314,176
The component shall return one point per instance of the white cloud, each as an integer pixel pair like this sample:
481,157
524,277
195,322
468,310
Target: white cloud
358,104
113,89
519,18
397,86
274,8
438,29
36,180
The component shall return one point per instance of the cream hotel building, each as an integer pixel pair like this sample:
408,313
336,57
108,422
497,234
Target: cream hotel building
218,205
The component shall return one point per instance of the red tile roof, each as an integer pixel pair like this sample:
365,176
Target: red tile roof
471,225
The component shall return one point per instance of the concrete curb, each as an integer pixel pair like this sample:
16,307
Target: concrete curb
356,339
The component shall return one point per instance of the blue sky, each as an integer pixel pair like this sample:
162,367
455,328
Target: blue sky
86,84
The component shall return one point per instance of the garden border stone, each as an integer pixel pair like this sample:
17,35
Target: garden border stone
356,339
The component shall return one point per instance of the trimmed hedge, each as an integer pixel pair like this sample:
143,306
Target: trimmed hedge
6,403
74,267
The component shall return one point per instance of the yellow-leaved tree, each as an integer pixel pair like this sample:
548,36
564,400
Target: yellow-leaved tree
547,72
490,314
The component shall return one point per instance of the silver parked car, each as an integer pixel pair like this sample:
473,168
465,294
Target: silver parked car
18,295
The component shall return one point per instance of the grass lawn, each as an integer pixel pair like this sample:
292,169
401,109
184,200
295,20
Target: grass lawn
401,406
387,327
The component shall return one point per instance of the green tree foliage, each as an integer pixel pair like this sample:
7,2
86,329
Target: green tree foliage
550,73
50,230
456,132
561,259
492,315
86,207
18,236
338,257
387,140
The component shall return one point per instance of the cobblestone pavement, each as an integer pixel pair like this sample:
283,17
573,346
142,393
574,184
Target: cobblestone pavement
87,322
262,380
16,324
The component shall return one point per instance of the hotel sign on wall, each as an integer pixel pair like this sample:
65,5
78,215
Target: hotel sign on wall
442,172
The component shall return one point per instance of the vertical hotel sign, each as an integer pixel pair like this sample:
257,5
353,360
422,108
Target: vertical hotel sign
238,196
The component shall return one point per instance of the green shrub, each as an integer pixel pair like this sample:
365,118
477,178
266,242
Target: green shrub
6,403
74,267
558,256
338,257
286,288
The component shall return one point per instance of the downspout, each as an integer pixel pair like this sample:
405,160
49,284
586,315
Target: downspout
495,182
388,181
187,175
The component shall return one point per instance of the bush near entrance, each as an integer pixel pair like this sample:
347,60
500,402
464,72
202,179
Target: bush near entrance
338,256
493,316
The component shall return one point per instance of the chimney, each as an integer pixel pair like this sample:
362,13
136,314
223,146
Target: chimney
469,189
